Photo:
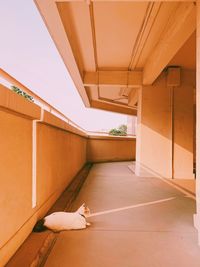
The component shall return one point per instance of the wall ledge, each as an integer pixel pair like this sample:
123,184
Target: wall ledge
15,103
103,137
53,120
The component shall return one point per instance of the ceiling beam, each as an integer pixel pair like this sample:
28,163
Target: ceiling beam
179,28
113,107
113,78
144,32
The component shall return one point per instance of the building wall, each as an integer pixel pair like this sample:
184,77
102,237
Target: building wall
165,128
110,149
183,125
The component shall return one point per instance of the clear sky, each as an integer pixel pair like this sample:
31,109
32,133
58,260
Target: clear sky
28,53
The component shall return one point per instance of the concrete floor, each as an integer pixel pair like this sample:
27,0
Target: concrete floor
149,235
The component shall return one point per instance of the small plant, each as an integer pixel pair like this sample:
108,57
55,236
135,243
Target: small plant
120,131
22,93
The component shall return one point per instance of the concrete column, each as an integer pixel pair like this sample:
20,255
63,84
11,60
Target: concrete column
153,154
197,216
183,121
165,127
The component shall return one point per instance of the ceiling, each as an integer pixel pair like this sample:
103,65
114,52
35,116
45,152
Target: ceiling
112,48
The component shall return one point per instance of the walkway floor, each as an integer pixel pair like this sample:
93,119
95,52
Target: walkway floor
157,233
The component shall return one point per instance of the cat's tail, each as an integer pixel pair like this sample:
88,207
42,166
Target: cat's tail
39,226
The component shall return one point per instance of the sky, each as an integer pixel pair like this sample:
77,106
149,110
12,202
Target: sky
28,53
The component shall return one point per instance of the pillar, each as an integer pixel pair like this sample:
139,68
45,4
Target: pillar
153,145
165,126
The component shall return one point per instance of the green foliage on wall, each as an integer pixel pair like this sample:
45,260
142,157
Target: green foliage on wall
22,93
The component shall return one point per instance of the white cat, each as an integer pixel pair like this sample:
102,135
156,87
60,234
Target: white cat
59,221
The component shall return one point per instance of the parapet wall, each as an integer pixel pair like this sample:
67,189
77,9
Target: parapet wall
39,156
105,148
60,152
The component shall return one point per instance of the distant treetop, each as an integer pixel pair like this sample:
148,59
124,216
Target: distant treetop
120,131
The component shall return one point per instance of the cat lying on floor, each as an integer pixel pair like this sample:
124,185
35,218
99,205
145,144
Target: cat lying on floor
59,221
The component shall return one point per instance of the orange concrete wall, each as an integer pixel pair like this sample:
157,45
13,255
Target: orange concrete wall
61,153
16,117
16,174
102,149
